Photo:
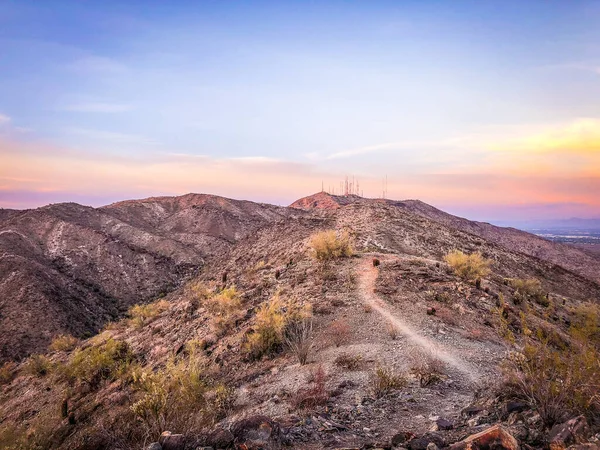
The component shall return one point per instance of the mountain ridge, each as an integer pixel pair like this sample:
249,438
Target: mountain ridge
100,261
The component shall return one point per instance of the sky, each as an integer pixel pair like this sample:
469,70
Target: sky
489,110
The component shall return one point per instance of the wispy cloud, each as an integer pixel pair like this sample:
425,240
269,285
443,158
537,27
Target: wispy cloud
98,107
111,136
4,119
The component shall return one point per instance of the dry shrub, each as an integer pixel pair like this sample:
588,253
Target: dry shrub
469,267
558,384
392,331
63,343
179,397
272,318
7,372
447,316
313,396
38,365
224,307
585,323
428,370
339,332
327,245
297,337
141,315
528,290
384,380
106,361
349,362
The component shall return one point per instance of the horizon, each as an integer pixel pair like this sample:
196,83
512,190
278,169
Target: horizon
527,225
486,111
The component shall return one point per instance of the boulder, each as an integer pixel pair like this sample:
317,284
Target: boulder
170,441
220,438
423,442
443,424
256,432
495,437
516,407
401,438
574,431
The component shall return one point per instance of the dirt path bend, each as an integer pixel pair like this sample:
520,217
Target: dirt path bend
367,275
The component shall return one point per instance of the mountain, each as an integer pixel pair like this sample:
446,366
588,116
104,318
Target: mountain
399,348
67,268
514,240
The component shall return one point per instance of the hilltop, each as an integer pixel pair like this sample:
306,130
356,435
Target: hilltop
399,342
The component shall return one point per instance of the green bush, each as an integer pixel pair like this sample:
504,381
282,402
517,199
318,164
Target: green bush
469,267
38,365
141,315
559,384
63,343
181,397
272,320
528,290
106,361
385,380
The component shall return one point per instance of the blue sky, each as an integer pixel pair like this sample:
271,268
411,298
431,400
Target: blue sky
482,108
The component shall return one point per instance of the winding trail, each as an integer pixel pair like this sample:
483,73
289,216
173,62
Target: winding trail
367,275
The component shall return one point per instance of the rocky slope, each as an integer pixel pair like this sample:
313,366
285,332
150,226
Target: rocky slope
71,268
393,316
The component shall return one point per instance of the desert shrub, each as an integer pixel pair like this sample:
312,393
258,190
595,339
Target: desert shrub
327,245
391,330
180,397
297,337
106,361
384,380
38,365
63,343
528,290
557,384
469,267
349,362
141,315
339,332
7,372
428,370
272,318
585,323
313,396
224,307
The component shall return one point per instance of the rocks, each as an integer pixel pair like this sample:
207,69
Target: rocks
169,441
154,446
401,438
256,432
516,407
574,431
443,424
423,442
495,437
220,438
431,311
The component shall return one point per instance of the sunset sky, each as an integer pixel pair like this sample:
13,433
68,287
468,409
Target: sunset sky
489,110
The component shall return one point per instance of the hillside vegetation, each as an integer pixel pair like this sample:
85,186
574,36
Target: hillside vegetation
360,326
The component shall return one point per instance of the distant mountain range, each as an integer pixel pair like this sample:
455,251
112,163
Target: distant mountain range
573,223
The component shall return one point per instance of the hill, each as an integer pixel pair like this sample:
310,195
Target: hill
71,268
400,349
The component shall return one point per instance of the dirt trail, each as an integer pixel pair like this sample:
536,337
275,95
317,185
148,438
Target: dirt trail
367,274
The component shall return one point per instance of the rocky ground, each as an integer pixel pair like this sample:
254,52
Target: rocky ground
407,310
